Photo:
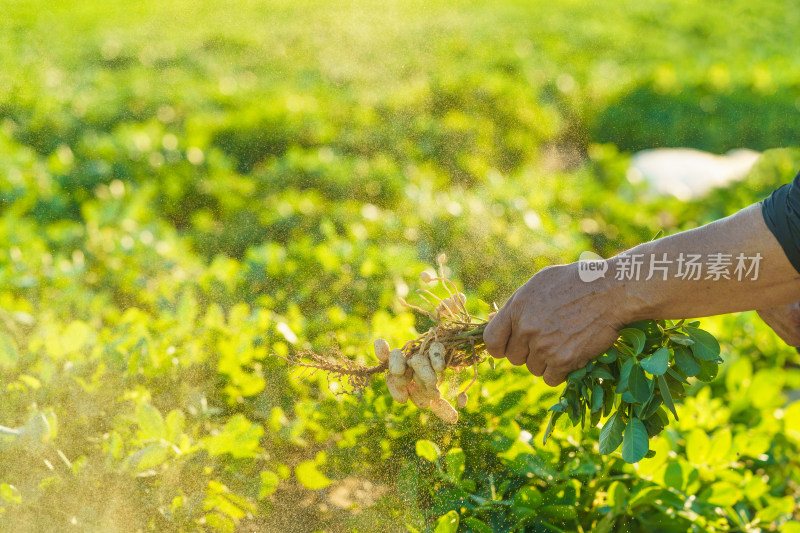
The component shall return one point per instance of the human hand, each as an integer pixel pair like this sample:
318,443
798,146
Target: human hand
784,321
555,323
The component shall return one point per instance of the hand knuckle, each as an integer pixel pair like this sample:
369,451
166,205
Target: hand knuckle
552,380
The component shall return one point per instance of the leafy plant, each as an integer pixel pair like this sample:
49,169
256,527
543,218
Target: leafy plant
635,382
183,194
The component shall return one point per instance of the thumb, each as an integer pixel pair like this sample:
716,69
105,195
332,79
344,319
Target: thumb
497,333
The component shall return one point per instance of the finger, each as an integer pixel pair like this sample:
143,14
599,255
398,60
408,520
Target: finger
535,365
785,329
517,352
790,334
793,315
497,333
554,377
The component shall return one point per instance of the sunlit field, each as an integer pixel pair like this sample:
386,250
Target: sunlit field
190,189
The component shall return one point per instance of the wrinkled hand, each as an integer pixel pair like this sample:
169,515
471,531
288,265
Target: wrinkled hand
784,321
555,323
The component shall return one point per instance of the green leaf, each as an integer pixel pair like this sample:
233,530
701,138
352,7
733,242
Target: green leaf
477,525
174,424
634,338
705,347
686,361
9,355
627,397
240,438
10,493
697,446
655,424
456,461
586,394
577,374
37,428
217,522
611,434
310,477
447,523
708,371
150,422
635,442
428,450
606,525
135,357
624,375
648,327
722,493
528,497
681,339
609,396
674,476
595,418
639,385
652,333
597,397
269,484
602,372
777,508
560,513
666,395
657,363
677,376
551,425
617,497
649,408
675,387
148,457
738,375
574,404
647,496
610,356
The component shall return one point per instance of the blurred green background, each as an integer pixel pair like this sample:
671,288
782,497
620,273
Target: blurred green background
189,187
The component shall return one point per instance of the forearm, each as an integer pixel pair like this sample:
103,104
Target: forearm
745,233
566,315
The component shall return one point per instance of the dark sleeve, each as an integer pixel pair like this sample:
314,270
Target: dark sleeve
781,212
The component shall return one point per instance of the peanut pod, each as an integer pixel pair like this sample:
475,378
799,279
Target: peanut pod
382,350
462,400
433,392
397,388
418,395
423,372
444,410
397,362
436,356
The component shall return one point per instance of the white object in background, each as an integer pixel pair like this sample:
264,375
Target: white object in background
687,173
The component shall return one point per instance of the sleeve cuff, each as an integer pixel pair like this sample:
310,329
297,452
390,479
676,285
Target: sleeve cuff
781,212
